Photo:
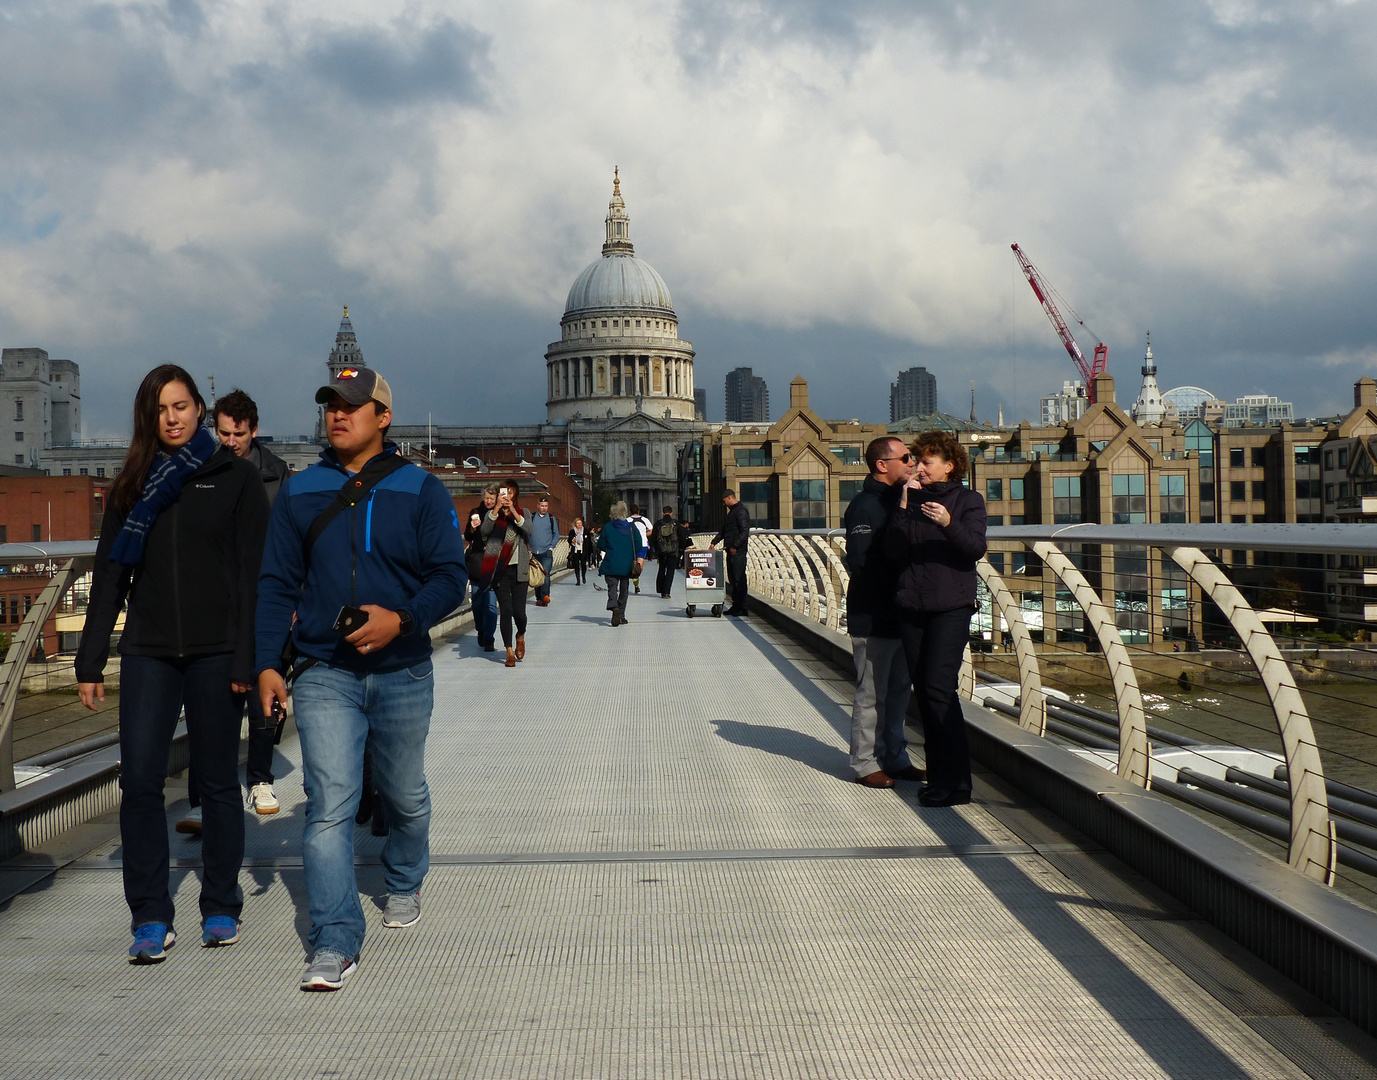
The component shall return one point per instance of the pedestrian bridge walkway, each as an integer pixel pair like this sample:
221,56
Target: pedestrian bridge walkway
648,862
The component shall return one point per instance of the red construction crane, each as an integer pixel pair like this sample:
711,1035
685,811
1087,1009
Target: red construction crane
1043,292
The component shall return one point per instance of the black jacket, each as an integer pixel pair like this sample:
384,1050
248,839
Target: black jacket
196,590
271,468
936,566
870,610
736,530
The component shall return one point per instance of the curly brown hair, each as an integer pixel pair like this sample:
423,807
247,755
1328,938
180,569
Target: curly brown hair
945,446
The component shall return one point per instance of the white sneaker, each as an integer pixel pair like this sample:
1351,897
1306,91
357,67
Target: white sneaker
263,800
190,824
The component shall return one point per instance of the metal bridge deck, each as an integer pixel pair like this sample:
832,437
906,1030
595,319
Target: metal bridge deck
648,862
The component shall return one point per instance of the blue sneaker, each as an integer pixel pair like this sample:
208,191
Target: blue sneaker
219,930
151,942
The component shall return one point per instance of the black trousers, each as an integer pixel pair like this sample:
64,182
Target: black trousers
933,645
153,690
259,767
511,604
664,576
736,578
579,565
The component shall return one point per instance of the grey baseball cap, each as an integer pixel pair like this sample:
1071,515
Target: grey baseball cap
356,385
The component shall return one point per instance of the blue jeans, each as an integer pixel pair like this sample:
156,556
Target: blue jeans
547,560
153,690
485,615
337,712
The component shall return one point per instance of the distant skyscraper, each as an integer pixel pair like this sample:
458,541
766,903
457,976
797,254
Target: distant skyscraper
1066,407
748,399
700,404
915,394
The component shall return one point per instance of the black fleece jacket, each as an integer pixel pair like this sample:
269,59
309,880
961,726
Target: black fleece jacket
870,610
936,566
195,592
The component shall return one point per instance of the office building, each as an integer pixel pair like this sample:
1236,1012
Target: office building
748,398
915,394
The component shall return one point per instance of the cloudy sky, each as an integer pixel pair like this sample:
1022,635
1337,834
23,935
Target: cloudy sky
829,189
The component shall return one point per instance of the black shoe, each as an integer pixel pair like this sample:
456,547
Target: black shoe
736,613
933,796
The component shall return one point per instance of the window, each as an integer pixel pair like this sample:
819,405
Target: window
1259,490
1173,499
1015,519
847,455
994,519
758,498
1307,455
1066,500
539,452
994,490
1016,487
1328,492
1259,457
1235,457
19,459
747,458
18,436
1343,459
1307,489
1200,439
848,490
1238,490
1329,459
100,470
85,471
37,533
4,529
996,559
66,472
810,504
638,455
1130,498
19,408
1343,490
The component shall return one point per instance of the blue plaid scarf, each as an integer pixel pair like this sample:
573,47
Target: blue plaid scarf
165,479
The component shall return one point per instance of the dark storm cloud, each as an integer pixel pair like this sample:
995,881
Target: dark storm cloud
402,64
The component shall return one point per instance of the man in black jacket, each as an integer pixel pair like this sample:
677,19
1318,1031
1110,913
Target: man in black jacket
879,747
735,534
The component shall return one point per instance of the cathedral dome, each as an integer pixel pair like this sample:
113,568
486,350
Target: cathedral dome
619,281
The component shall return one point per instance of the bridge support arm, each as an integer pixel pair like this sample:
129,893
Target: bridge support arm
1032,710
1311,851
1133,742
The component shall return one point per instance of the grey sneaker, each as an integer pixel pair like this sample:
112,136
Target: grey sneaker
402,911
327,971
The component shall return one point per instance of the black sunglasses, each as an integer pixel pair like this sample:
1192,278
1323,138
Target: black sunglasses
907,459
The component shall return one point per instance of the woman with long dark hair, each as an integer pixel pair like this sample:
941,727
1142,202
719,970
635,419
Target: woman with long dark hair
181,541
936,535
506,532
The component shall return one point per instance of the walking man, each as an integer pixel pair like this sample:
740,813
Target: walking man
236,426
641,524
879,746
544,537
734,535
669,540
366,550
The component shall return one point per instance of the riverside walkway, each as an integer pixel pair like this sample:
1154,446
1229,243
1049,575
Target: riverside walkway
648,862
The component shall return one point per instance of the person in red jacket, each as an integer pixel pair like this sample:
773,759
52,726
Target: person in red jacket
935,536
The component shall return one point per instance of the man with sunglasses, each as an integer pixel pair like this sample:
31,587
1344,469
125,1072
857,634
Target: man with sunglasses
879,747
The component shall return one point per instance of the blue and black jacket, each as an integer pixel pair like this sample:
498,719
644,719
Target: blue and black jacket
400,548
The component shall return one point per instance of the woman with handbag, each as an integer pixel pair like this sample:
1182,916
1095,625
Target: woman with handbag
181,543
506,532
625,553
578,560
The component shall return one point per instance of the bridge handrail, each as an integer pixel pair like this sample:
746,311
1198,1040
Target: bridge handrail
778,561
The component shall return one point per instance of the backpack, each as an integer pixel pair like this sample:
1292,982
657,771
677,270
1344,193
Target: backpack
666,538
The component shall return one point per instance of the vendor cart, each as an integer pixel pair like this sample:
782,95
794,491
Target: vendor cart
705,580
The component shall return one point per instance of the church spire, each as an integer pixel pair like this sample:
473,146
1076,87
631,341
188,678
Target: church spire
618,223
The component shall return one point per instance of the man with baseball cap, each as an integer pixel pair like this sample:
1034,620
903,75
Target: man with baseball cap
366,550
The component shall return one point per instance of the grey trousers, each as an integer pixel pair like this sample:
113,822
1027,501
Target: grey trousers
881,703
616,594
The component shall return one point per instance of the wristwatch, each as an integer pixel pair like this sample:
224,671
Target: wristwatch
407,624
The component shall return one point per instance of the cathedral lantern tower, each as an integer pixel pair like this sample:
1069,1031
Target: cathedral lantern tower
619,350
346,354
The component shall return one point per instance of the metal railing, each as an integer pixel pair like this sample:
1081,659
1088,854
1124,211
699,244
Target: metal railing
1086,605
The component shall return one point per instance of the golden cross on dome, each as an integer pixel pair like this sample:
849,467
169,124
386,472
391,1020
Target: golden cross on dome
616,181
346,311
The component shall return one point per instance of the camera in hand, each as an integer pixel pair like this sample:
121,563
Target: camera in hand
349,619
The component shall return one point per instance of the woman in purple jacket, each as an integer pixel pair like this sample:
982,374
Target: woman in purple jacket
935,536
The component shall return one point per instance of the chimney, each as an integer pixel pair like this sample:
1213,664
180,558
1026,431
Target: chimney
1365,393
798,393
1104,389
